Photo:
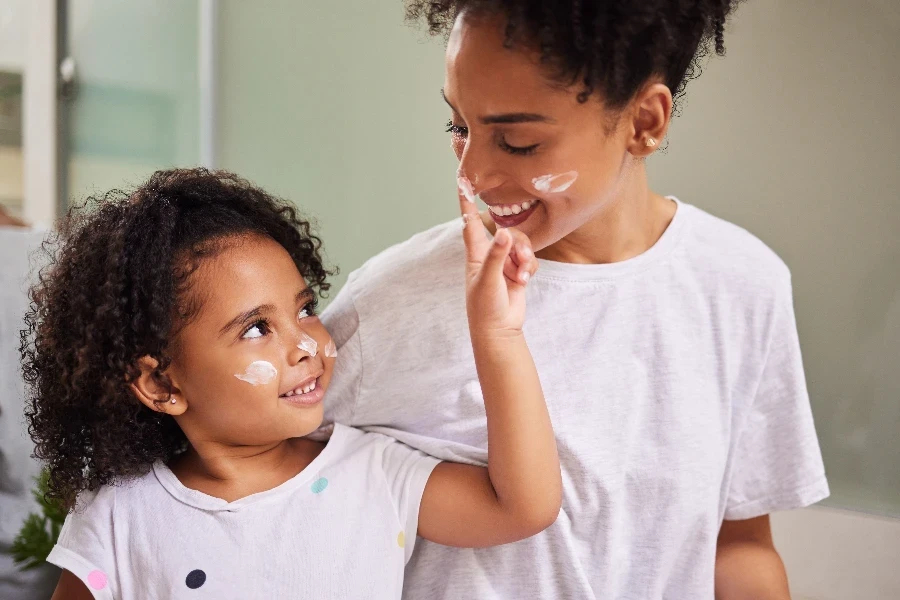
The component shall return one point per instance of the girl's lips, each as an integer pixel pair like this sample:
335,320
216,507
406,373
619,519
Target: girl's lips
308,399
514,220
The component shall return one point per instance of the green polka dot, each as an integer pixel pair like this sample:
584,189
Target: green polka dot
319,486
401,540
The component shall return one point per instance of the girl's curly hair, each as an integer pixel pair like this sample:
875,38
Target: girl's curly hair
612,46
114,290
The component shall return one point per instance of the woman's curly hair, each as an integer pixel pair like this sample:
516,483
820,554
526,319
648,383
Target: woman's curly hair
115,289
612,46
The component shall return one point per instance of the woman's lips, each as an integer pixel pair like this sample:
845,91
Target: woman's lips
512,215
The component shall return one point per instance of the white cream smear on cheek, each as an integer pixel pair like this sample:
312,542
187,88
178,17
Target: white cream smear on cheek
554,184
330,349
259,372
308,344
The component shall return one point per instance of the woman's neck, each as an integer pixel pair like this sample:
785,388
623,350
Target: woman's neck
630,226
233,472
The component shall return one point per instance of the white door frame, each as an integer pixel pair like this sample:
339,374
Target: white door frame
40,115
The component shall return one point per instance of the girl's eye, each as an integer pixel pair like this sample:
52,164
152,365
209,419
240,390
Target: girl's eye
257,330
307,311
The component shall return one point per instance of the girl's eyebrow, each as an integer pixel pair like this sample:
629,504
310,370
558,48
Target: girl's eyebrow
304,295
245,316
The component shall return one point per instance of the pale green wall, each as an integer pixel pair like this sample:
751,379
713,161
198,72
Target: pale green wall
136,109
335,105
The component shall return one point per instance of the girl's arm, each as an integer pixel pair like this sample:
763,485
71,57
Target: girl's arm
71,588
520,492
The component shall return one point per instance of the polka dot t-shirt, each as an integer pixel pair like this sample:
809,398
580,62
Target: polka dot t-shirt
343,528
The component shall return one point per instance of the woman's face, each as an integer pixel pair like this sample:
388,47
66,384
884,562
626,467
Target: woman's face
543,162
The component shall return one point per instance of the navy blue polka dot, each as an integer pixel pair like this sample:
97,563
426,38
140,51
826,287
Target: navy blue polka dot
195,579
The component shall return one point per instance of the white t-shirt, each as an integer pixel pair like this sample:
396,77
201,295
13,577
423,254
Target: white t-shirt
342,528
674,383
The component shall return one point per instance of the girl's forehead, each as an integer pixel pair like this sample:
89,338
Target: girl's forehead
241,275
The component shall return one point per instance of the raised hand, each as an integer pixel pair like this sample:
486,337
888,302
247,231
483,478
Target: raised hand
497,273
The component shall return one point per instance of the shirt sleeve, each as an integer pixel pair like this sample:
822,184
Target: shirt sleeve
777,463
342,322
407,471
85,544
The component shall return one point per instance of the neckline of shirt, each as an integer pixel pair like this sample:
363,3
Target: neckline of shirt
198,499
552,270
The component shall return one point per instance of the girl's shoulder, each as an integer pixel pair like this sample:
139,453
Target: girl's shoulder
117,495
370,453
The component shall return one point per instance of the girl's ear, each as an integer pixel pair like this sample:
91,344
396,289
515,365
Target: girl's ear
156,390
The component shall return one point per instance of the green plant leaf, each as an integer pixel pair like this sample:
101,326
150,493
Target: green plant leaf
33,544
39,531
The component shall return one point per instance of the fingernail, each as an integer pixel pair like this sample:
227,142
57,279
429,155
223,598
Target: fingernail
526,277
502,236
525,251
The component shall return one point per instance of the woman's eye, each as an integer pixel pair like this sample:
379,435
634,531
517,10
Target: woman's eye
457,130
520,150
257,330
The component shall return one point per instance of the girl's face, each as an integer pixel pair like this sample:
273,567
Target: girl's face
527,146
253,365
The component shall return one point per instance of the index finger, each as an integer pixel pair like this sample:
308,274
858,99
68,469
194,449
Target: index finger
474,232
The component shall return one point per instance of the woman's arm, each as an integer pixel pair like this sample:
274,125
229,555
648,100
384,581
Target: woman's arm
520,492
747,564
71,588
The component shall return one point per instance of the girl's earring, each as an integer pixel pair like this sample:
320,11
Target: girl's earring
651,142
173,401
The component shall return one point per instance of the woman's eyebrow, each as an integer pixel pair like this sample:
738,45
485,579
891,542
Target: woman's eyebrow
506,118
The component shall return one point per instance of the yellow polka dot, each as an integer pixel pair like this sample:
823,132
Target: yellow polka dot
401,540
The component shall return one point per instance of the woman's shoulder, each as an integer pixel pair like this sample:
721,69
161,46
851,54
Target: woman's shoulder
730,251
430,257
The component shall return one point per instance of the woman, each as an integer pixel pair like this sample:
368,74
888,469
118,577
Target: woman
665,338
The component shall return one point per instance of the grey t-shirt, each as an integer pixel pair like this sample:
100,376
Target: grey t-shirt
674,382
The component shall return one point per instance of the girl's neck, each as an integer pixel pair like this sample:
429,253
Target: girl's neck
234,472
630,226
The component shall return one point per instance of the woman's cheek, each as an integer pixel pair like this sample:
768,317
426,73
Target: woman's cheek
459,145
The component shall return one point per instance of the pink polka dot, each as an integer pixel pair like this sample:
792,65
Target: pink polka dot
97,580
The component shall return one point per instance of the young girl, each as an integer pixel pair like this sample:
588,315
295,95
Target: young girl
665,338
176,362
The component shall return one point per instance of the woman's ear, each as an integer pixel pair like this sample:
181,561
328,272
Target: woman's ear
156,390
651,115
